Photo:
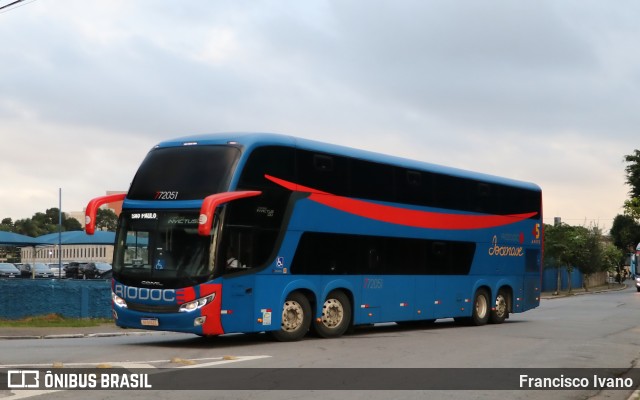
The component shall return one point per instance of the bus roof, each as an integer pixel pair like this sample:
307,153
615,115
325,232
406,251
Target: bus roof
248,141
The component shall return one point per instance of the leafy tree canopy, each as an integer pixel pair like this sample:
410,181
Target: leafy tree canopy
626,228
40,223
106,219
625,232
577,246
633,173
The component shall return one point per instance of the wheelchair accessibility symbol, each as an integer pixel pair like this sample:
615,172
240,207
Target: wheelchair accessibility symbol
280,262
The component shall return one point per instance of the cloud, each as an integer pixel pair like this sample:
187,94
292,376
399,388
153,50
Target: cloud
544,92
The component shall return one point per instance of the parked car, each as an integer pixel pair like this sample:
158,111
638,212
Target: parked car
8,270
25,269
20,266
39,270
72,270
95,270
58,272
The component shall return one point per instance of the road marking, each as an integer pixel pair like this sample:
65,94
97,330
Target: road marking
225,361
25,394
199,363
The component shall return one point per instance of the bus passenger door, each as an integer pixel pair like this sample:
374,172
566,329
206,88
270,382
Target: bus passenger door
237,303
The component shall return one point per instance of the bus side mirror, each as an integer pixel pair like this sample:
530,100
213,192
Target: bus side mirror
92,210
210,203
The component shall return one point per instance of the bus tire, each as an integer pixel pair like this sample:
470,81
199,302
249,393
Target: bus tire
501,309
481,309
296,318
336,315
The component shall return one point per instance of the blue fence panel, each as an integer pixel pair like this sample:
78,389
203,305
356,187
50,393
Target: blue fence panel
550,277
71,298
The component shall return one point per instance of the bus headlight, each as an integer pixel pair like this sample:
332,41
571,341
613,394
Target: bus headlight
118,301
197,304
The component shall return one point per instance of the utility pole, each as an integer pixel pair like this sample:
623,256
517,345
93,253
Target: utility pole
60,233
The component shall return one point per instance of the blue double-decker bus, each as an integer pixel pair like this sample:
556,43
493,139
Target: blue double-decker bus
231,233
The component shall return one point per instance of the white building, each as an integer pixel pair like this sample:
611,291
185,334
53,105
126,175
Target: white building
70,252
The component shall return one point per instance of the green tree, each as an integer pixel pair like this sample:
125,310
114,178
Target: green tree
633,173
557,249
625,232
626,228
43,223
71,224
27,227
632,208
574,247
6,225
612,258
589,253
632,205
106,219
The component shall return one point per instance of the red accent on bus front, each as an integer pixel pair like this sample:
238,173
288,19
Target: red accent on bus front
404,216
213,311
210,203
186,295
92,210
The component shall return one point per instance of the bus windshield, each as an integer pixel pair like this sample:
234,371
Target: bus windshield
184,173
163,249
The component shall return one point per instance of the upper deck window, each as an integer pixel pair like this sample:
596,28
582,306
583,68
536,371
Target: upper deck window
184,173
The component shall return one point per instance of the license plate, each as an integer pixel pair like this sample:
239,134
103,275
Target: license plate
149,321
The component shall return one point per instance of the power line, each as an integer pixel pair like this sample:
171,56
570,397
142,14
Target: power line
13,3
10,4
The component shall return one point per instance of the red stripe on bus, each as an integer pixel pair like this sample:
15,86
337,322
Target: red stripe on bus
403,216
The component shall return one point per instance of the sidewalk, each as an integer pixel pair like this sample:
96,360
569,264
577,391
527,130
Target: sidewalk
104,330
581,291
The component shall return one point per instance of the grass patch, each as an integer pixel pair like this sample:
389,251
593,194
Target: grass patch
53,320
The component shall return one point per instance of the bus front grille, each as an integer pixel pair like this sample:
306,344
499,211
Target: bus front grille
153,309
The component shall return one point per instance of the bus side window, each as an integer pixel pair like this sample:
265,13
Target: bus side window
484,198
323,172
438,258
374,260
414,178
323,163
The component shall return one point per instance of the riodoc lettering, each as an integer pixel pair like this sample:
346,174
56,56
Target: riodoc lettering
505,251
134,293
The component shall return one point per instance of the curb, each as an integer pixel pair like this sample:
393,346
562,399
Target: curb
78,335
561,296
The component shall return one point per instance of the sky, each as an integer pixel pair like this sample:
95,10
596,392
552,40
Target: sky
545,92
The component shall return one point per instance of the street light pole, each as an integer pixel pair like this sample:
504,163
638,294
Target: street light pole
59,233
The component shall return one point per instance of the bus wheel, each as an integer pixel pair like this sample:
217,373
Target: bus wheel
481,308
296,318
501,311
336,315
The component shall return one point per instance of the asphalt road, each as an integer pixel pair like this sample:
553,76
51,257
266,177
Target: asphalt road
589,331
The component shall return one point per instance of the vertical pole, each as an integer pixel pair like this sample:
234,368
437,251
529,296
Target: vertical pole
60,233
